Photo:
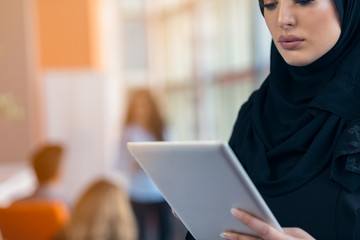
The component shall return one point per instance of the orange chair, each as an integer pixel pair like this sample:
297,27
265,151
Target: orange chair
33,220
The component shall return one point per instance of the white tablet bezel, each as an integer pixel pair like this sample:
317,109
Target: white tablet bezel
202,181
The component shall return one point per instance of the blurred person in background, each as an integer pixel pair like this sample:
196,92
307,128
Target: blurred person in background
103,212
144,123
47,163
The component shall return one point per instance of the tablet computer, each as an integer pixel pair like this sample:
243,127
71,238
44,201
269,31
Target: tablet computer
202,181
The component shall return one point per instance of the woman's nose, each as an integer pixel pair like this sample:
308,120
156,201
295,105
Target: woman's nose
286,14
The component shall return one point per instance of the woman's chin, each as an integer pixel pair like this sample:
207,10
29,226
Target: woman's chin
298,62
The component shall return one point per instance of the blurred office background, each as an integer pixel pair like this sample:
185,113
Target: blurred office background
66,67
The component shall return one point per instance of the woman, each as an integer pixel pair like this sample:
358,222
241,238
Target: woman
103,212
298,136
144,123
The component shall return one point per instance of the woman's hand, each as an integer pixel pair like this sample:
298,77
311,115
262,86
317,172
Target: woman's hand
174,213
266,231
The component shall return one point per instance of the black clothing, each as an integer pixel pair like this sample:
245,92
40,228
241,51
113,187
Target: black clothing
153,215
298,137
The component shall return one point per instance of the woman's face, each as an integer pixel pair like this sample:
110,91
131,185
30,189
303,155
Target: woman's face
302,30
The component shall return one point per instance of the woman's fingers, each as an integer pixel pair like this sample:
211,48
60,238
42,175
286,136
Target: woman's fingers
237,236
174,213
265,230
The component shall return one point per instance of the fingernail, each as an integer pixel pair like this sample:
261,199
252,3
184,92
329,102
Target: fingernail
236,213
225,235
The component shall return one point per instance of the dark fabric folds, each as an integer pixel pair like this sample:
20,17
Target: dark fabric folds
301,119
346,164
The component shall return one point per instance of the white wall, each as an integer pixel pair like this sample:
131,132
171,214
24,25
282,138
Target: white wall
84,109
77,114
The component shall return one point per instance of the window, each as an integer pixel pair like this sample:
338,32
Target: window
203,56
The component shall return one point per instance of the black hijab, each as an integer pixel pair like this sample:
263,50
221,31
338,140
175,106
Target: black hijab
304,120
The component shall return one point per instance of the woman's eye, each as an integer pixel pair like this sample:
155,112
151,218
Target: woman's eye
271,6
303,2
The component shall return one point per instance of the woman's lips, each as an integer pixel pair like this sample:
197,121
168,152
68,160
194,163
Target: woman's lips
290,42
